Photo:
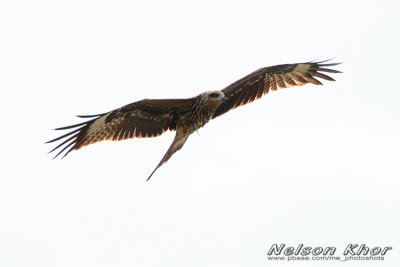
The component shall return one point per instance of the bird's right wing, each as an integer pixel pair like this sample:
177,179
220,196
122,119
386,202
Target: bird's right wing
145,118
264,80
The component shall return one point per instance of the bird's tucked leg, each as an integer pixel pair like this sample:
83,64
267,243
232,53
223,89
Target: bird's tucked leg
177,144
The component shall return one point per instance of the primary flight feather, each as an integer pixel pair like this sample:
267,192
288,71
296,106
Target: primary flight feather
152,117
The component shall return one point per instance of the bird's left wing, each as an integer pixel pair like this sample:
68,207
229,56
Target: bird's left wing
260,82
145,118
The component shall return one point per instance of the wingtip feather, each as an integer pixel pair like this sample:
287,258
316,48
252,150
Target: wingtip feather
90,116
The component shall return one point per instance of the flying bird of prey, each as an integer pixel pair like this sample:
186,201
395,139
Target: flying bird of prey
153,117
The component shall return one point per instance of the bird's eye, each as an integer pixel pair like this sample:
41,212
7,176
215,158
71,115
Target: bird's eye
214,95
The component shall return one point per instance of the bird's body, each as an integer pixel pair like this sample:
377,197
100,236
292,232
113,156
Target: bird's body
152,117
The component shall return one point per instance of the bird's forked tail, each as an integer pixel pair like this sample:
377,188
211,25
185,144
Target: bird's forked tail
177,144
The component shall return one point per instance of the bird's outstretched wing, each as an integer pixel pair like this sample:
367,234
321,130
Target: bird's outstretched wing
260,82
145,118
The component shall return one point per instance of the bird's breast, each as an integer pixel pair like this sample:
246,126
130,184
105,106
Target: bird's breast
191,121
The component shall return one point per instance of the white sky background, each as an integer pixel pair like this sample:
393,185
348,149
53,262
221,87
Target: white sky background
316,165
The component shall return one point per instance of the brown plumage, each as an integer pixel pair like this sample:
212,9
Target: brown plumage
152,117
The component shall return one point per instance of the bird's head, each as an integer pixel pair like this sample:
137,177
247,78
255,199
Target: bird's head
216,97
212,99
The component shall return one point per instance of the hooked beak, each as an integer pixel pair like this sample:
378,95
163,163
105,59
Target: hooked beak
223,99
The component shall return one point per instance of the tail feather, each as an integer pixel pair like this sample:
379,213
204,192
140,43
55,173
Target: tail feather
177,144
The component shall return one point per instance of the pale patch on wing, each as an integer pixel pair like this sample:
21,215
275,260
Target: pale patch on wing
97,125
302,68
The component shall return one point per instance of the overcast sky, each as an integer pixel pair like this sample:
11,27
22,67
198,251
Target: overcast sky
312,165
